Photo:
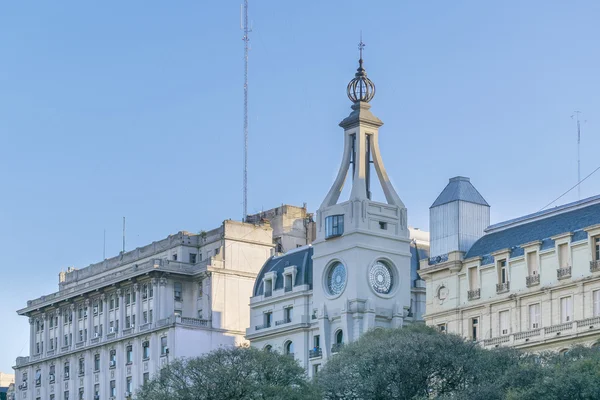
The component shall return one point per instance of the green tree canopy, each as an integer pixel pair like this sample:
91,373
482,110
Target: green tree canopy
240,373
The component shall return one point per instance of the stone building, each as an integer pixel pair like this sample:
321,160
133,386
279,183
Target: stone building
114,324
532,282
360,273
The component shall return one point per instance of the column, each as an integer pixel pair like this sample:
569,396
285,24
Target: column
121,309
46,324
31,337
195,284
73,325
89,322
105,311
162,304
138,305
155,300
59,314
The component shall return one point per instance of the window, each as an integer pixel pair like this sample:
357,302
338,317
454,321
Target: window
288,282
503,277
177,291
316,369
113,359
217,251
128,297
38,377
144,291
146,350
96,390
113,389
81,366
81,335
532,263
150,291
192,258
316,342
596,296
382,225
128,385
334,226
473,281
288,314
67,369
96,362
145,317
474,329
534,316
52,374
146,377
339,337
441,328
111,303
127,321
150,316
66,395
566,309
597,248
289,348
129,354
95,308
563,255
268,348
268,319
163,346
51,397
504,322
268,287
80,393
174,257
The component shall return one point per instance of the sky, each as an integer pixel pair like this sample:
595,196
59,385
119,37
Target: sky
112,109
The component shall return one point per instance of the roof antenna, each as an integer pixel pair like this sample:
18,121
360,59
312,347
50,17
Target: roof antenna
246,38
123,235
104,248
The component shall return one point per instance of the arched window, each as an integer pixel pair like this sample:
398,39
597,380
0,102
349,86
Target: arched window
563,352
339,337
289,347
268,348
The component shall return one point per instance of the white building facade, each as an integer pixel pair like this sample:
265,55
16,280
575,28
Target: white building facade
361,271
114,324
532,282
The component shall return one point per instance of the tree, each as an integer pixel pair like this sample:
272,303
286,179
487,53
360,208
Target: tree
240,373
415,362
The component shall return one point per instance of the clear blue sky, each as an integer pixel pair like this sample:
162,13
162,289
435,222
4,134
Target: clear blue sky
134,108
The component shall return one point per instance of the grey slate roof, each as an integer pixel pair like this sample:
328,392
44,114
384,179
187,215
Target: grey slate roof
459,188
301,258
542,229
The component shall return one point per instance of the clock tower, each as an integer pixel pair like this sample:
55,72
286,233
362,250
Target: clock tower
361,260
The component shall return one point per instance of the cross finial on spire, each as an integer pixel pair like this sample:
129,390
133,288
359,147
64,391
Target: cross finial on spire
361,46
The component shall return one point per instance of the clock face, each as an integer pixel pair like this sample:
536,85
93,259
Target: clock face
336,279
381,278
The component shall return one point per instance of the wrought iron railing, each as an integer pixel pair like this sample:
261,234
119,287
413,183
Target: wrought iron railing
263,326
595,266
563,273
316,352
474,294
502,287
532,280
283,321
336,347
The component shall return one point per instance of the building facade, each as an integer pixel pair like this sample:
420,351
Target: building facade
114,324
532,282
360,272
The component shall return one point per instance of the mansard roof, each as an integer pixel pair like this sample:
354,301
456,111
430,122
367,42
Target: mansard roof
459,189
301,258
542,226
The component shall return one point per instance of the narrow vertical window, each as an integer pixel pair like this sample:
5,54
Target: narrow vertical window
504,322
566,309
596,295
534,316
474,329
473,281
563,255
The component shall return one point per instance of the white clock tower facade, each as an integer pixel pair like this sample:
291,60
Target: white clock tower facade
361,260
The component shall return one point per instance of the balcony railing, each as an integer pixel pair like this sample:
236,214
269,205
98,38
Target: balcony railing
95,340
316,352
532,280
283,321
128,331
336,347
528,334
559,328
194,321
595,266
474,294
79,344
263,326
145,327
589,322
563,273
502,287
65,348
496,340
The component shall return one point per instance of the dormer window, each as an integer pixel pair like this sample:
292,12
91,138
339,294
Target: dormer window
288,282
596,248
503,283
268,287
334,226
289,278
563,255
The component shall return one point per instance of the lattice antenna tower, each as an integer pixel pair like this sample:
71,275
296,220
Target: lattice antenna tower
246,38
576,113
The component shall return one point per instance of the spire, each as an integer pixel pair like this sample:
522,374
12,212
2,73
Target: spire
360,87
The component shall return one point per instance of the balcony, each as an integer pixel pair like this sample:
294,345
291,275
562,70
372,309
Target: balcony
65,348
79,344
316,352
95,340
336,347
194,322
563,273
145,327
128,331
532,280
502,287
528,334
595,266
474,294
567,326
283,321
111,335
496,341
263,326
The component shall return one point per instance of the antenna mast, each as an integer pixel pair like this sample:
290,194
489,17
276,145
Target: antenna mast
578,155
246,38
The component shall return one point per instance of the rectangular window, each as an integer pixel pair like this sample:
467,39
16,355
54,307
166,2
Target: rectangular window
534,316
268,319
97,390
532,263
334,226
316,369
150,316
473,281
382,225
96,362
596,296
113,359
150,291
177,291
503,273
192,258
67,369
127,297
441,328
80,393
474,329
288,282
52,374
163,345
288,314
566,309
113,389
81,366
66,395
145,317
127,321
597,248
128,385
146,350
563,255
129,354
504,322
174,257
316,342
268,287
146,377
111,303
